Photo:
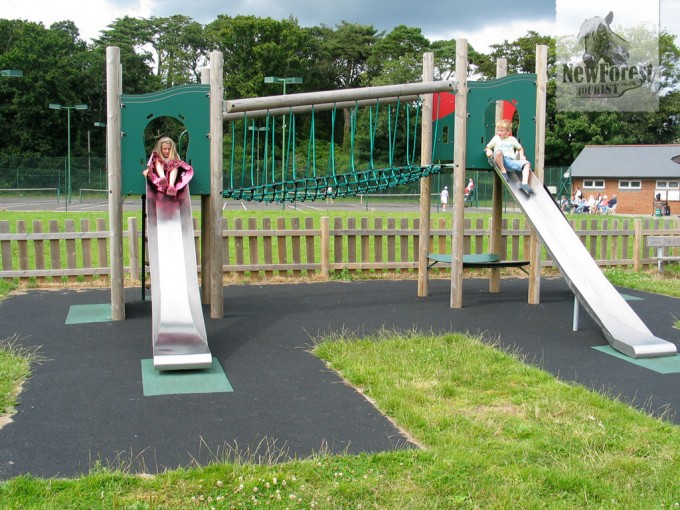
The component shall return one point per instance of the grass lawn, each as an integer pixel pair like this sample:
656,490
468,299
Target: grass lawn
494,433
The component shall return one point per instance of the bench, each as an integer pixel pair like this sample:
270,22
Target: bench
660,243
479,261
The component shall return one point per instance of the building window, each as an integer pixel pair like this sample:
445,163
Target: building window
593,184
630,185
668,190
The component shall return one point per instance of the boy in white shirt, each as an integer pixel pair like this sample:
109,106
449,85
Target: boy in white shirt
503,148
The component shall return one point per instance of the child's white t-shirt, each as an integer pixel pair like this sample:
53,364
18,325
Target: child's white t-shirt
507,145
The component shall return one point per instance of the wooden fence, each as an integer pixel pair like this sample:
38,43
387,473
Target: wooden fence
297,246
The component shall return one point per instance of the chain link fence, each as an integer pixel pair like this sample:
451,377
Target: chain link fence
89,174
46,173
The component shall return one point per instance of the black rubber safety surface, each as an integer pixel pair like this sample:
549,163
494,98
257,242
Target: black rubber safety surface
85,404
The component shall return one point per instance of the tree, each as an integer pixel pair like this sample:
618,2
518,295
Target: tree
349,48
520,55
130,36
53,62
181,49
397,57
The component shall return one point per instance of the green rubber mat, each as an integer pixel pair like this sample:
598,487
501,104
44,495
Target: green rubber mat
83,314
175,382
662,365
628,297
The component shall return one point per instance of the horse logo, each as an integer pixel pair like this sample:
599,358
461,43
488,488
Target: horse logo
602,43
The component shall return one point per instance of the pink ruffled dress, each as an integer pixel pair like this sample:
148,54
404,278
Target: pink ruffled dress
184,174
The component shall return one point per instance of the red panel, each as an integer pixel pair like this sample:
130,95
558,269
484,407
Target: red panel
445,104
509,109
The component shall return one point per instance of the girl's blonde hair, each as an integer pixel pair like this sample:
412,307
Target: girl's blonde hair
173,148
504,123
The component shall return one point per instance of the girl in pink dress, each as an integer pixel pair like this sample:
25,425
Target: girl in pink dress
165,170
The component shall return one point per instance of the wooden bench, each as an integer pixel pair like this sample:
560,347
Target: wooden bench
661,243
480,261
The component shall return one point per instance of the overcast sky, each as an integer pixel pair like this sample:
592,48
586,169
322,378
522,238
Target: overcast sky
481,22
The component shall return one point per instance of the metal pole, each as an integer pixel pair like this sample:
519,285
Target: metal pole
68,165
89,162
283,141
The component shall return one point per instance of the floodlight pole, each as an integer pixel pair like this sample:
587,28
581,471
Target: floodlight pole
56,106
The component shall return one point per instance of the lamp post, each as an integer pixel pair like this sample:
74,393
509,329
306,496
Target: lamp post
284,81
56,106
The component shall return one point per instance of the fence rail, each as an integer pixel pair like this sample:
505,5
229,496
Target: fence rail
297,246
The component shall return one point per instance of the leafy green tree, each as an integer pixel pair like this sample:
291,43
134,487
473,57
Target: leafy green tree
130,36
397,57
349,48
520,55
53,62
257,47
181,49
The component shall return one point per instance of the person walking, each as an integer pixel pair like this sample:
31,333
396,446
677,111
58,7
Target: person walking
444,197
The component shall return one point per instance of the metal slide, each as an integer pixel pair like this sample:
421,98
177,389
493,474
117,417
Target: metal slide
179,336
621,326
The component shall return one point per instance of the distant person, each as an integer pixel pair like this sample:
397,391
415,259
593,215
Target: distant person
504,149
165,170
602,206
598,200
585,205
444,197
611,204
469,188
565,204
329,195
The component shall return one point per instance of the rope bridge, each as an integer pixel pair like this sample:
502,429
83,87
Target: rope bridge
383,128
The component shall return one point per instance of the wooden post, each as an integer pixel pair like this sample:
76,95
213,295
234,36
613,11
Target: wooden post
534,241
495,241
459,155
425,159
133,248
113,125
206,228
216,171
325,247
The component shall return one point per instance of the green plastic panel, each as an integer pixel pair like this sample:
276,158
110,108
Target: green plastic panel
189,104
517,89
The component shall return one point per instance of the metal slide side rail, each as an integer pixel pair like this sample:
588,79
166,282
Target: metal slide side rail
178,331
622,327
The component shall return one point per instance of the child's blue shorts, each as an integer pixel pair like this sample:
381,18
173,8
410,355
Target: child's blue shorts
514,165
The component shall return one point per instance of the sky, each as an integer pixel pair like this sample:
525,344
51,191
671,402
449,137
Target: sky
482,22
